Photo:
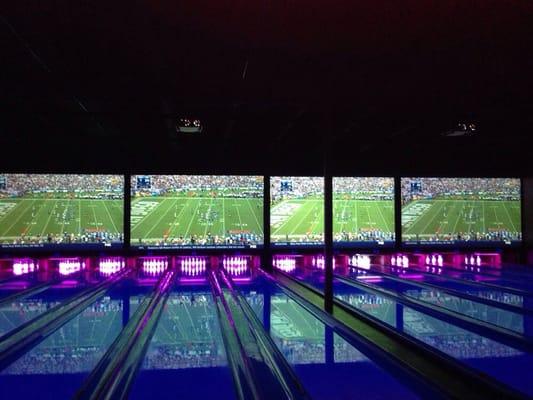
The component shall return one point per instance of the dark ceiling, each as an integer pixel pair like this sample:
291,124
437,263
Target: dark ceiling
97,86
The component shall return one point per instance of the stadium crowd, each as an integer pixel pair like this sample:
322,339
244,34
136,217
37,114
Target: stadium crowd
84,237
370,235
471,188
489,236
185,355
100,186
67,354
295,187
244,239
364,188
236,185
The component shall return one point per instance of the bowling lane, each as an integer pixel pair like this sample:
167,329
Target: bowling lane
467,287
494,280
316,354
482,312
186,356
15,313
56,368
500,361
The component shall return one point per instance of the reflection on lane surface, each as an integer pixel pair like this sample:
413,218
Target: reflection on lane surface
483,312
421,275
327,365
498,360
57,366
186,357
19,312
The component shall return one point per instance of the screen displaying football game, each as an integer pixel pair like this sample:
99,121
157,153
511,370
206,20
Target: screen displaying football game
296,211
363,211
461,211
196,211
45,210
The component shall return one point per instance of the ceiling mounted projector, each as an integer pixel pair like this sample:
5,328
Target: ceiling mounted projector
189,125
461,129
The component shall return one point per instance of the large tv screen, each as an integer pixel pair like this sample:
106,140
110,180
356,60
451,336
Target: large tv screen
296,211
51,211
196,211
461,211
363,211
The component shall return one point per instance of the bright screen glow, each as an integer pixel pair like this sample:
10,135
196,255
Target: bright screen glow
296,210
461,210
363,211
196,211
43,210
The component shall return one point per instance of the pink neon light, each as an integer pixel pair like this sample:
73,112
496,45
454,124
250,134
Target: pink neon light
110,266
68,267
154,266
362,261
24,266
193,266
319,262
285,264
236,266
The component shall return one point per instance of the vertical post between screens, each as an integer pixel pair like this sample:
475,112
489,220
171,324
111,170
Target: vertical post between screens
397,212
328,241
127,212
267,250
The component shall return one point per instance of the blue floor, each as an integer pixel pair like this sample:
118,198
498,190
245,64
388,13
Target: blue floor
187,356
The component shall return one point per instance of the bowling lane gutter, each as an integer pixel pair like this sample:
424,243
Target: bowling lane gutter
27,275
494,332
453,292
471,282
434,369
25,293
115,372
244,380
277,375
18,341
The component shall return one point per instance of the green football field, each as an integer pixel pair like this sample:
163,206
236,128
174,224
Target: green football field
38,217
297,220
363,215
157,218
449,217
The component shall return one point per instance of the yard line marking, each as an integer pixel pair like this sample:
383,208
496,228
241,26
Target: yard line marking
94,215
176,220
49,217
109,214
79,214
19,217
378,205
223,217
260,229
163,215
483,208
207,214
431,219
293,215
509,216
12,210
311,208
150,213
192,219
